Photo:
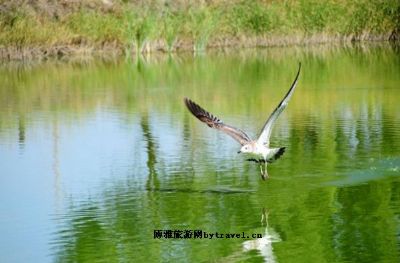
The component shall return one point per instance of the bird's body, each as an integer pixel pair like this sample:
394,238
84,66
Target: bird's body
262,154
255,150
259,152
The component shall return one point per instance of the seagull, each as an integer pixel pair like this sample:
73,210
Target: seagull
257,150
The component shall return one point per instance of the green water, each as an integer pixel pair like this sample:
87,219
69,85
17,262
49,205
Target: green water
95,156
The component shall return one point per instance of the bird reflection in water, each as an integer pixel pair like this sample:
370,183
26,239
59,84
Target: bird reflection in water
264,244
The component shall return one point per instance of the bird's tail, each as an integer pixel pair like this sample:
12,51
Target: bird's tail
277,154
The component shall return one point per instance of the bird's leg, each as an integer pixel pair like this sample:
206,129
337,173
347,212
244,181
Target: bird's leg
264,174
261,170
265,170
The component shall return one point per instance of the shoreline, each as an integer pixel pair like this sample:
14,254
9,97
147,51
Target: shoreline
116,50
39,30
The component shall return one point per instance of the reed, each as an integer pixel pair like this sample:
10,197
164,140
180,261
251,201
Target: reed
137,26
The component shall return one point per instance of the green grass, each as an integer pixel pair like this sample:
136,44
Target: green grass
131,25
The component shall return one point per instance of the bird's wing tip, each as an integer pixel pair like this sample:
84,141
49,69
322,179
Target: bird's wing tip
187,101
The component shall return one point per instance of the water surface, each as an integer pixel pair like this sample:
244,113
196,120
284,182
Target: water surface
95,156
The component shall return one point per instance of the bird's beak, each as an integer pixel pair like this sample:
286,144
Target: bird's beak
239,152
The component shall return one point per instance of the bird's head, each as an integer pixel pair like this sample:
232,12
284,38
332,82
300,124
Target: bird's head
246,148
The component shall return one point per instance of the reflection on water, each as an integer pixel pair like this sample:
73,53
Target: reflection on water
152,181
94,157
264,244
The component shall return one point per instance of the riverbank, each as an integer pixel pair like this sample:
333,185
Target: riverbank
114,28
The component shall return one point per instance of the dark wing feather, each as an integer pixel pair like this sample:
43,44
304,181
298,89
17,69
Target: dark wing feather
213,122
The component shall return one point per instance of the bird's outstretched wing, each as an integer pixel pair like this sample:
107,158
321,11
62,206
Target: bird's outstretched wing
216,123
266,131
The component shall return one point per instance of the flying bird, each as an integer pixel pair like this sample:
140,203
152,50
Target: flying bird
257,150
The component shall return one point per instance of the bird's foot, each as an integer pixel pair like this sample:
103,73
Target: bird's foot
264,176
